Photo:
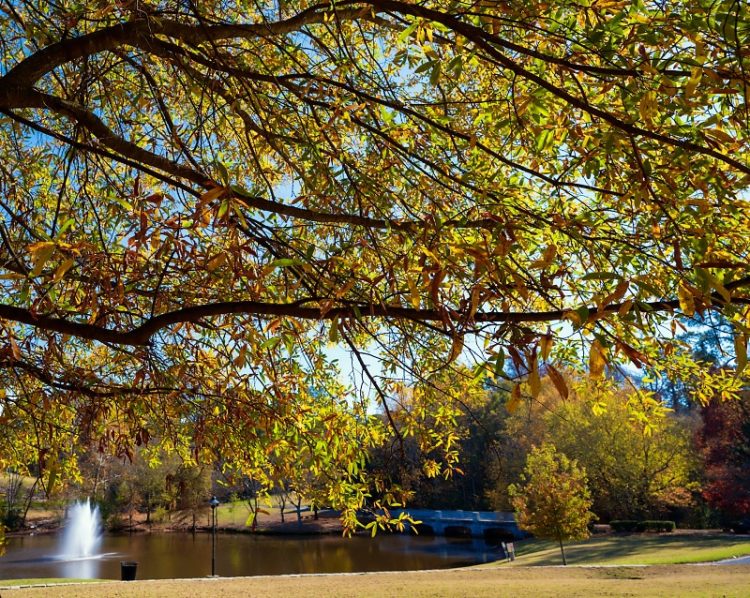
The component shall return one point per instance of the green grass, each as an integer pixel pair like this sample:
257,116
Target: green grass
637,549
237,514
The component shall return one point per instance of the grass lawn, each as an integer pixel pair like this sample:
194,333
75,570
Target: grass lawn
538,582
636,549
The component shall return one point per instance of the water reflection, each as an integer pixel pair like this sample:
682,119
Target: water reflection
185,555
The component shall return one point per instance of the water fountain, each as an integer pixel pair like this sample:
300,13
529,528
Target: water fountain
82,534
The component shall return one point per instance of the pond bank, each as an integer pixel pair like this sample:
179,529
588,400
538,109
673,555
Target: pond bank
327,522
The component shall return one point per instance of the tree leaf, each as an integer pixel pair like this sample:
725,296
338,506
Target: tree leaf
545,345
687,302
597,359
558,380
740,351
515,399
62,269
40,253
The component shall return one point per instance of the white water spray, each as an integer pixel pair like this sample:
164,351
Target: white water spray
82,534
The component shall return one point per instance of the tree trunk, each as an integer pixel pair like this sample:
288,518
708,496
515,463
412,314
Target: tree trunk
562,550
29,498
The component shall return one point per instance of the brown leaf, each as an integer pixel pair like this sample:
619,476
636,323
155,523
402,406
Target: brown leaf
456,347
558,380
14,348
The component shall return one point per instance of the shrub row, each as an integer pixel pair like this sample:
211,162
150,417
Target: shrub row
631,525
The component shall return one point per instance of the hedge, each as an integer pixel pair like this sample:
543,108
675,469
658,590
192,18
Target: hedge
624,525
631,525
656,526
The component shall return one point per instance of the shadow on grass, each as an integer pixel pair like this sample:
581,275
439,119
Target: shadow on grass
632,549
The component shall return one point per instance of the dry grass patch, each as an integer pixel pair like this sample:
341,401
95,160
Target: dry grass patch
685,581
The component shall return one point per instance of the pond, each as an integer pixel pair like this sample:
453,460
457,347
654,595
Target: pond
175,555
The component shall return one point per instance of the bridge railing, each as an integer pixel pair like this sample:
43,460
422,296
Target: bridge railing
485,517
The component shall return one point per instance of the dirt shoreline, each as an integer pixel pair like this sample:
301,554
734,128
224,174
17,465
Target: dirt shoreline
326,524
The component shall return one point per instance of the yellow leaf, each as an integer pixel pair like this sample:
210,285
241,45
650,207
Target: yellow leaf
648,107
687,302
475,296
717,285
535,385
62,269
573,317
211,194
341,292
740,351
216,261
413,293
617,294
546,259
14,348
696,74
545,345
597,360
515,399
432,255
40,253
456,347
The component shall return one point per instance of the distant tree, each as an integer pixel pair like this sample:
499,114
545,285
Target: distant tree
638,454
724,440
711,340
151,480
553,500
190,488
416,465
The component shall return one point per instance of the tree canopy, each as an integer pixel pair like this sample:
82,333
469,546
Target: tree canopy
197,199
640,459
553,500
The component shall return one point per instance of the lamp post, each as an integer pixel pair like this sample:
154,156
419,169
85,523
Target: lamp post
214,502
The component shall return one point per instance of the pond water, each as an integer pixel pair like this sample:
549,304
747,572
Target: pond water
174,555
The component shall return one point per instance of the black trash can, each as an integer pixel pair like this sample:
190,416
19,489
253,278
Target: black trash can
127,570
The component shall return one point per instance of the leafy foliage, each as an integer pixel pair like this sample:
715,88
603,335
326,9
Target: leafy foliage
725,442
640,458
553,501
198,199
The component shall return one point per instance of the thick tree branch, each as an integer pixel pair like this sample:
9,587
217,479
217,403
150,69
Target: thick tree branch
142,334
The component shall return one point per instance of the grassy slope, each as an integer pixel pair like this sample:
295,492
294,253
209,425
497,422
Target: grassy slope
662,549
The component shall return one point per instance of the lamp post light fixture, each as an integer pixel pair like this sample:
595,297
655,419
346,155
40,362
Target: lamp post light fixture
214,502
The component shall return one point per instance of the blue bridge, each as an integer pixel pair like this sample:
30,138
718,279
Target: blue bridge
490,525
